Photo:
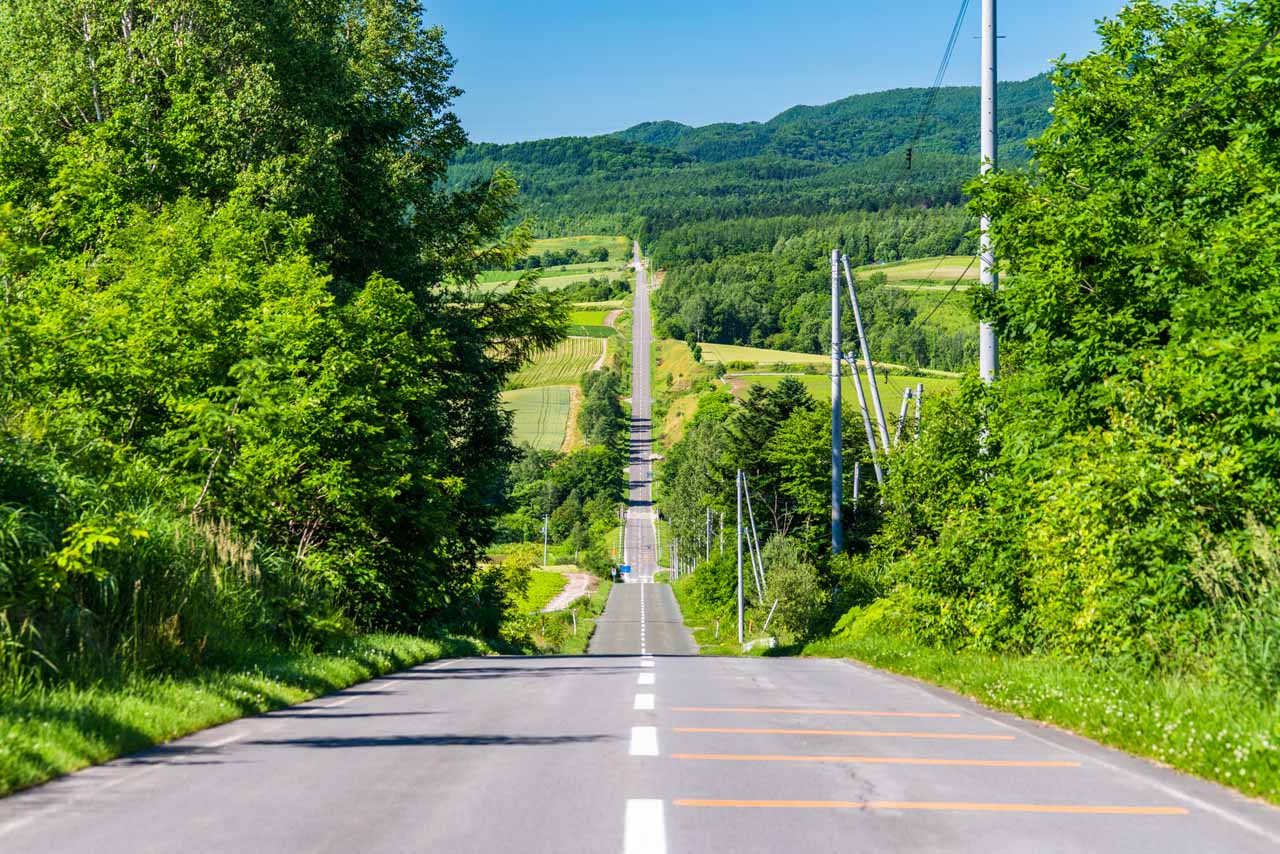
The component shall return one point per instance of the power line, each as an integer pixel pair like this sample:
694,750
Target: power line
948,294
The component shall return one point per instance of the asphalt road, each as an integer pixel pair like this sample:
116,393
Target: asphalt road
639,550
641,617
634,755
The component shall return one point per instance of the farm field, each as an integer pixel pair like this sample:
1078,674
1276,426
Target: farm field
619,246
588,317
712,353
541,415
943,269
488,277
820,386
551,283
603,305
562,365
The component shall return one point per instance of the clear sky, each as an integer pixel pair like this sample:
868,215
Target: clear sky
580,67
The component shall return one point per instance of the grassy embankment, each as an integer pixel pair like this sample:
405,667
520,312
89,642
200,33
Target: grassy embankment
55,730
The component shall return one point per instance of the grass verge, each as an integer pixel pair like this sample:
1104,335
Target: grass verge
57,730
1190,723
554,633
543,587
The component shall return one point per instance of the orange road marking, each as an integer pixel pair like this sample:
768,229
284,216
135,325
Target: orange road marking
867,714
881,760
954,806
869,733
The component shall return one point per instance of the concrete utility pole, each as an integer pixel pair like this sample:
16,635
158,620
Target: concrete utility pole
902,417
739,556
837,449
545,520
865,348
988,352
919,398
708,534
866,422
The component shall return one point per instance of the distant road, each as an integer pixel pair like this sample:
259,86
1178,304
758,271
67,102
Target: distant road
641,617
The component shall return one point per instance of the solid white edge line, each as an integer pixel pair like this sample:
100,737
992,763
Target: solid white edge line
644,703
644,679
645,830
644,741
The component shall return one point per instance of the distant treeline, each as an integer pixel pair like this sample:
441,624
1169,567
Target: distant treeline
849,155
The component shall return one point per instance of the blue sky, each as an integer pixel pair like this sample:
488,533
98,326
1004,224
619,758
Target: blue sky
581,67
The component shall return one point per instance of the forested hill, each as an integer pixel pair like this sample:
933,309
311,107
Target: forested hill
850,154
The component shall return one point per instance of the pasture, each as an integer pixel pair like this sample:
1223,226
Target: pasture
540,415
619,247
551,283
712,353
819,386
563,364
943,269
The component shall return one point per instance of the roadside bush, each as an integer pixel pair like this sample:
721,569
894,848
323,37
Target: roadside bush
794,582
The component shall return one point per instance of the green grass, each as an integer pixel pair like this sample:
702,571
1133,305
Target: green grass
1188,722
820,386
541,415
619,246
588,317
543,587
942,268
54,731
602,305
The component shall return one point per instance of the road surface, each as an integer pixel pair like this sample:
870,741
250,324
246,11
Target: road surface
633,755
636,749
641,617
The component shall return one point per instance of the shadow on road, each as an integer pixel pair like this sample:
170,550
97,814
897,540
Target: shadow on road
327,742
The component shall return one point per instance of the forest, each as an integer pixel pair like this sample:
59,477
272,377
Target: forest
248,398
850,155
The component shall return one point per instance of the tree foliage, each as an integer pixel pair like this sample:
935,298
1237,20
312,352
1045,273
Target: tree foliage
225,245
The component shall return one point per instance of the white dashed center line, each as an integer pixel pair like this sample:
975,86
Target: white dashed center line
645,831
644,703
644,741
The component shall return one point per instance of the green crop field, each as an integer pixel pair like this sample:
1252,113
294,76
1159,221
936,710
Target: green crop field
712,353
944,269
541,415
619,247
820,386
563,364
592,317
